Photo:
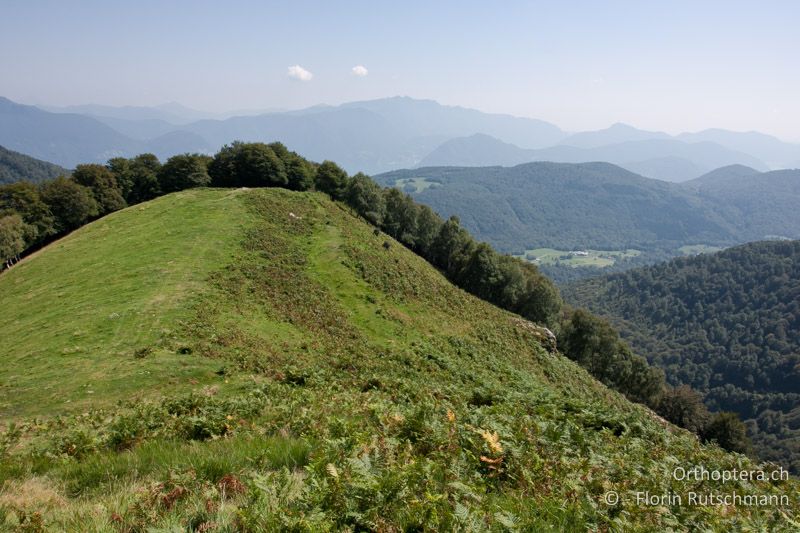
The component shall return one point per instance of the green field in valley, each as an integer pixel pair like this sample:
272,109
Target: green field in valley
696,249
577,258
415,185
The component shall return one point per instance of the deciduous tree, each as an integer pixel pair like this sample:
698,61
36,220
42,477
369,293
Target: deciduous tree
184,171
12,238
101,181
331,179
71,204
23,198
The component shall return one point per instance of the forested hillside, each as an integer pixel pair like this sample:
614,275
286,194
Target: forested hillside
727,324
566,206
604,207
758,204
20,167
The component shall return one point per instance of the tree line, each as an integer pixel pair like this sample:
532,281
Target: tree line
32,215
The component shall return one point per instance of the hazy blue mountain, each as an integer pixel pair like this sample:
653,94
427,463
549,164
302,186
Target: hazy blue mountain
723,175
379,135
183,113
771,150
171,113
675,157
142,130
429,118
370,136
664,159
66,139
15,166
178,142
376,135
477,150
358,139
667,168
617,133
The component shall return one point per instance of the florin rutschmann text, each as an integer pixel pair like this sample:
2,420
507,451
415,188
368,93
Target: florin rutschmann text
708,498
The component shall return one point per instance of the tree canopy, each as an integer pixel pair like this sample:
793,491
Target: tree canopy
724,323
103,184
184,171
70,203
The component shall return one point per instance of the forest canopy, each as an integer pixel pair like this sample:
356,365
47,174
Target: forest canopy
725,324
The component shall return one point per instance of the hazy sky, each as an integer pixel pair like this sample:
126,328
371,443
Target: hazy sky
583,65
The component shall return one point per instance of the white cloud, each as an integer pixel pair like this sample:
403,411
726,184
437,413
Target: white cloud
299,73
360,71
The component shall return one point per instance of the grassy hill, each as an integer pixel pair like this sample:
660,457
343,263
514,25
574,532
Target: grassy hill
722,323
15,166
262,360
81,309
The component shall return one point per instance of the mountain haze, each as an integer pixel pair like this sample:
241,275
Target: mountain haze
379,135
664,159
773,152
614,134
64,139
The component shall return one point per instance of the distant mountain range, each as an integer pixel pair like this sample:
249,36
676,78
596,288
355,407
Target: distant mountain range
665,159
377,136
771,151
171,112
603,206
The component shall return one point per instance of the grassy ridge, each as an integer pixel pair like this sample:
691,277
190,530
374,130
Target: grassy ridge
353,388
94,317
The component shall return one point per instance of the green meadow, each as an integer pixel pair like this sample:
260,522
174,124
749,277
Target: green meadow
596,258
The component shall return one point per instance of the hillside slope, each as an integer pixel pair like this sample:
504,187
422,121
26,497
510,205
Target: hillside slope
65,139
605,208
15,166
338,382
759,205
567,206
723,323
